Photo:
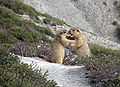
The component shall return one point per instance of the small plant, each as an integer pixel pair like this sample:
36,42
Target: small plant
103,65
20,8
15,74
112,83
14,30
52,20
20,30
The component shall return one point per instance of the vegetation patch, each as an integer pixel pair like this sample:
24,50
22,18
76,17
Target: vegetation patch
104,66
22,37
20,8
52,20
14,74
14,30
19,30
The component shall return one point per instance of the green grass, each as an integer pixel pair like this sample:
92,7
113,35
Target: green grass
52,20
14,74
16,33
20,8
103,64
13,28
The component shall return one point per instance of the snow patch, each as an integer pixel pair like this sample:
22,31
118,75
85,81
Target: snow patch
65,76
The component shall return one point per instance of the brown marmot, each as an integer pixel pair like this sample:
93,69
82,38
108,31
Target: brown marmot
58,46
81,43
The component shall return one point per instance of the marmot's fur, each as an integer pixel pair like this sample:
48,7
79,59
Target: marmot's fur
81,44
58,47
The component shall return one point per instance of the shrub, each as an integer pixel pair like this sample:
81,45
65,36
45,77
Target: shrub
24,49
104,66
14,30
14,74
6,38
18,29
52,20
19,7
112,83
8,17
6,59
4,49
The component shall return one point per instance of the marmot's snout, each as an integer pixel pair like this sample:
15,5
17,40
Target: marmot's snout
70,36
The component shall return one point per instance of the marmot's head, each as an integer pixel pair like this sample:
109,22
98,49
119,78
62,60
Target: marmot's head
61,34
64,38
74,32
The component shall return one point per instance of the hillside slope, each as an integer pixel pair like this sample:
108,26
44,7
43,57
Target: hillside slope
22,25
28,33
93,16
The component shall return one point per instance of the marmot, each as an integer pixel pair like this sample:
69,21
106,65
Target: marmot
58,46
81,44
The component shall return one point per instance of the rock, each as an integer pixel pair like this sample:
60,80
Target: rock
92,16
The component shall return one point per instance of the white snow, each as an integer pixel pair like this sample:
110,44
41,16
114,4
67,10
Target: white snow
65,76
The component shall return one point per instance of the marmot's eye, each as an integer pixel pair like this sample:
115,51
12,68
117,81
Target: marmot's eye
69,32
64,31
78,31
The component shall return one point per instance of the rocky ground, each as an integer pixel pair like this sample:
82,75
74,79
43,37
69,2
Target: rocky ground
92,16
